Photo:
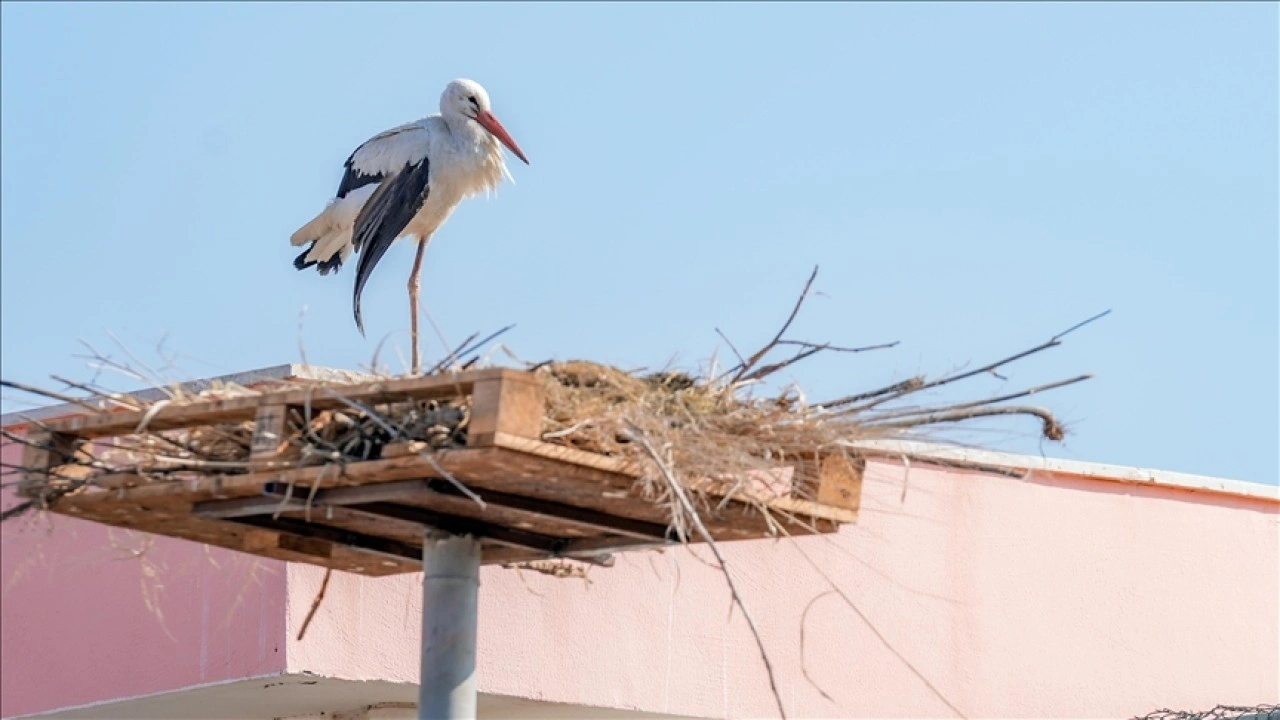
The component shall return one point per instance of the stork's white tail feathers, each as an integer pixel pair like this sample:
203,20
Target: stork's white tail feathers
317,227
330,240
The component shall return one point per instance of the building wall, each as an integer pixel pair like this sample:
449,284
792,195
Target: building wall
1048,597
92,613
1055,596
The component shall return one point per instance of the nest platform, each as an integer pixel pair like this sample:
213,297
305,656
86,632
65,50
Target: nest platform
540,499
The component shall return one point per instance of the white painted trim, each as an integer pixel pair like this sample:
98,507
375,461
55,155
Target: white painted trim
131,698
1098,471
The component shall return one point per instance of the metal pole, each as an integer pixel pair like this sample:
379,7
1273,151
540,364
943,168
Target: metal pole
450,588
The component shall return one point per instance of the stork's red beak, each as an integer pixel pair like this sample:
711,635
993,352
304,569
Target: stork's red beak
490,123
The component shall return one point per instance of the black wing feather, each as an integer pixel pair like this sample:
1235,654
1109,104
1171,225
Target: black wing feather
382,219
353,179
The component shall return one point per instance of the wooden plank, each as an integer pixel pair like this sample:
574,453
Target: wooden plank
498,534
587,521
814,510
510,405
498,469
366,527
37,455
204,412
47,450
165,508
347,518
47,456
270,436
560,453
173,522
587,549
513,510
242,507
330,536
445,498
840,483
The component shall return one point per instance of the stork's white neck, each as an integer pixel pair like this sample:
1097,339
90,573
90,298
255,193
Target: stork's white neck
466,132
476,163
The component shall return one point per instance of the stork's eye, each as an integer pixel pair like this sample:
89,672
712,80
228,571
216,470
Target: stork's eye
473,100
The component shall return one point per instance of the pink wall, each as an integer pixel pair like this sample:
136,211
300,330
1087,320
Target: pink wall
85,619
1051,597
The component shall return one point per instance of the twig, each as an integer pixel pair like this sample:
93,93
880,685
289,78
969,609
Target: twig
199,464
1081,324
979,403
17,510
69,457
1052,342
750,363
810,350
377,350
741,360
837,348
483,341
465,347
315,604
909,385
1052,428
302,346
803,669
105,362
50,394
689,509
925,459
155,379
849,601
451,355
399,433
98,393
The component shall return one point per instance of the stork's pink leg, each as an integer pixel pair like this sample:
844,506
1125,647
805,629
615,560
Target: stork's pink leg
415,283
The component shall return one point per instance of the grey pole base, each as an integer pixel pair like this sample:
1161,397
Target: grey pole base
450,590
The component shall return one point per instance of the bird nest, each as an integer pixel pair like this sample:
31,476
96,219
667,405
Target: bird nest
677,427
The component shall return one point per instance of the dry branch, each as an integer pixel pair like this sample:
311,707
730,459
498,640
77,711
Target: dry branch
677,489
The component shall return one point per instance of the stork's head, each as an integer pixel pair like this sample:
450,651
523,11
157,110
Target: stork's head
466,98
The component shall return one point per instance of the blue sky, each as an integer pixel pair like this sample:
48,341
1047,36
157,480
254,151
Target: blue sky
971,179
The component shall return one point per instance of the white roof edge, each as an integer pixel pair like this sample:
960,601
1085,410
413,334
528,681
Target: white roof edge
1099,471
917,449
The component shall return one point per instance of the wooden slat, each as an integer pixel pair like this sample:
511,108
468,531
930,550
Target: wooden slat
605,463
514,510
445,498
47,455
270,437
536,476
331,536
840,483
353,519
204,412
243,507
483,468
365,528
47,450
561,515
511,405
177,523
497,534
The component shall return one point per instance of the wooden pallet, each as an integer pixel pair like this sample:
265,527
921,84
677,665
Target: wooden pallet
541,500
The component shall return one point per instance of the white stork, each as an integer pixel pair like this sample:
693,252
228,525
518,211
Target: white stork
407,181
